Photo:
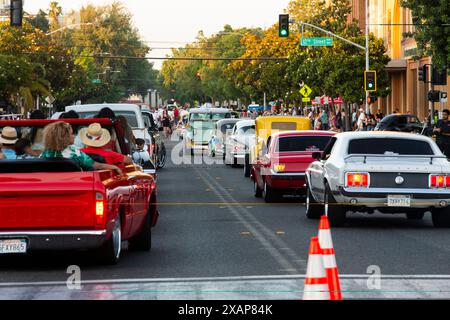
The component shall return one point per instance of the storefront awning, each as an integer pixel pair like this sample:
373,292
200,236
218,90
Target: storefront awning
396,65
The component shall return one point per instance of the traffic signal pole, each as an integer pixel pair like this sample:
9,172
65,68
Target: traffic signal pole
367,52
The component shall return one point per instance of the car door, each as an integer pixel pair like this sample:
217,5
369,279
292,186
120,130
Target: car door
261,162
317,172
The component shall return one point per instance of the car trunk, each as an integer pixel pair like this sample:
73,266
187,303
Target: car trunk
47,200
294,161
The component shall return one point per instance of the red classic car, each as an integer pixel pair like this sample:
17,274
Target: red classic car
53,204
281,169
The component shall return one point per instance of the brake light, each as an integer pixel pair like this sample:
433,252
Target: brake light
237,148
439,181
99,209
279,167
357,179
153,147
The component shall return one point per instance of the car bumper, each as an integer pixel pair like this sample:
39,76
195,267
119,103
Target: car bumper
58,240
377,198
289,180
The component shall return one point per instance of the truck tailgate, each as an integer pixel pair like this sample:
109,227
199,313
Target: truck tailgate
47,200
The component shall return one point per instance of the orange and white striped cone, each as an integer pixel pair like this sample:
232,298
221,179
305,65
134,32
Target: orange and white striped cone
316,282
329,259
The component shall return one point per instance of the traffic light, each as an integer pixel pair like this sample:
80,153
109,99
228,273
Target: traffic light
439,76
433,95
423,73
370,81
372,99
283,27
16,13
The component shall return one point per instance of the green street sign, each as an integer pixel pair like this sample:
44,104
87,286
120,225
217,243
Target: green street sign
96,81
317,42
306,99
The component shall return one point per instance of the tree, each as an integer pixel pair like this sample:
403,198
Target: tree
432,30
54,12
40,21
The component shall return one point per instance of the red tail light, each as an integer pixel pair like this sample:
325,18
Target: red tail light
237,148
153,147
99,209
357,179
439,181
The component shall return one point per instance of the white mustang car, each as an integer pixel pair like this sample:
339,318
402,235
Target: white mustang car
385,171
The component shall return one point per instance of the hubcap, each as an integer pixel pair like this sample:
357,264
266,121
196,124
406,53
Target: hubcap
326,204
117,239
307,199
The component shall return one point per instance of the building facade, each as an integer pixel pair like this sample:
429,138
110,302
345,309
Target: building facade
389,21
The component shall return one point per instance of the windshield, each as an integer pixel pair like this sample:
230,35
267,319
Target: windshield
130,115
209,116
246,130
389,146
302,143
226,127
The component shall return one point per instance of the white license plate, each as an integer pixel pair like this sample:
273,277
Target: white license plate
13,246
399,201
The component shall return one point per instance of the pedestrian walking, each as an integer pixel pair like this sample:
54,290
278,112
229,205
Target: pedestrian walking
361,123
442,130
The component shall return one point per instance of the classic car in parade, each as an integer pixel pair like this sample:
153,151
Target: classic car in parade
239,142
282,169
54,204
388,172
216,145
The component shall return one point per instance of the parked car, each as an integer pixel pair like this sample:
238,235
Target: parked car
265,127
385,171
158,146
54,204
401,123
216,144
282,169
130,111
238,142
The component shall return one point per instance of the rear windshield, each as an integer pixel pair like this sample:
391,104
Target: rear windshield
303,143
130,115
389,147
227,126
209,116
247,130
284,126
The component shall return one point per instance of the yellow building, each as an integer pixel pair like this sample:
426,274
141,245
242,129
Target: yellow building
389,21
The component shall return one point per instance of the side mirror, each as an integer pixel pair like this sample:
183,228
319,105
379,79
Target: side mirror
317,155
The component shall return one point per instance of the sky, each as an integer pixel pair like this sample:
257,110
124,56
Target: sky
173,23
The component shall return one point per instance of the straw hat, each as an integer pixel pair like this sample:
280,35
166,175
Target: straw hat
8,136
95,136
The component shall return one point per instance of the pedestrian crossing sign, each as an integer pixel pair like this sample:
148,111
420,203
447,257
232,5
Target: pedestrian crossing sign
305,91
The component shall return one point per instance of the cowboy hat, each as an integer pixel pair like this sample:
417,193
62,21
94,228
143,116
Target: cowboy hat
8,136
95,135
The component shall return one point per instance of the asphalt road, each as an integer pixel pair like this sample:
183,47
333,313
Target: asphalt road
211,225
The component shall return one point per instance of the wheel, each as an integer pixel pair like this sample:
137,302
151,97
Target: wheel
161,157
440,217
247,166
336,213
415,215
234,163
314,210
258,191
192,152
143,241
213,154
223,156
269,194
109,253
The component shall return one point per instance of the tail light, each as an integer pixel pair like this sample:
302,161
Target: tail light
357,179
99,208
279,167
153,147
439,181
237,148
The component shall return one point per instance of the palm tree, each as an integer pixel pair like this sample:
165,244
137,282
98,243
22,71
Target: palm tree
53,13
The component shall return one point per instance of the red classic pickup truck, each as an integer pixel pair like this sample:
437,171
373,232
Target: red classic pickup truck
282,168
53,204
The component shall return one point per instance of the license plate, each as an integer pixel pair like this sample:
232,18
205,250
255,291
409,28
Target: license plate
399,201
13,246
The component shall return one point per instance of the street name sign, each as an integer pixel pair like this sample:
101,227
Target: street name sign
317,42
96,81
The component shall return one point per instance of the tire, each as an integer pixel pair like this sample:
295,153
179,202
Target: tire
314,210
269,194
143,241
336,213
213,154
441,217
234,163
109,253
258,191
161,157
192,152
415,215
247,166
223,156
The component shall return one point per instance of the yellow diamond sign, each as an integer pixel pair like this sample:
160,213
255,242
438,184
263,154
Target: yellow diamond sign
305,91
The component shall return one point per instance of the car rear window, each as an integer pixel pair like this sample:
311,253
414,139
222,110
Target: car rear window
389,146
302,143
130,115
284,125
227,126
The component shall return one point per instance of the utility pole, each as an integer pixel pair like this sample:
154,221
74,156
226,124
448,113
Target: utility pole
367,52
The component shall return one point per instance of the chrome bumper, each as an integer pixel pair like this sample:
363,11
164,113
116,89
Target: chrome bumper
58,240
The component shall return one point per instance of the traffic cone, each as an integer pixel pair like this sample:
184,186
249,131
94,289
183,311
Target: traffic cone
316,283
329,259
